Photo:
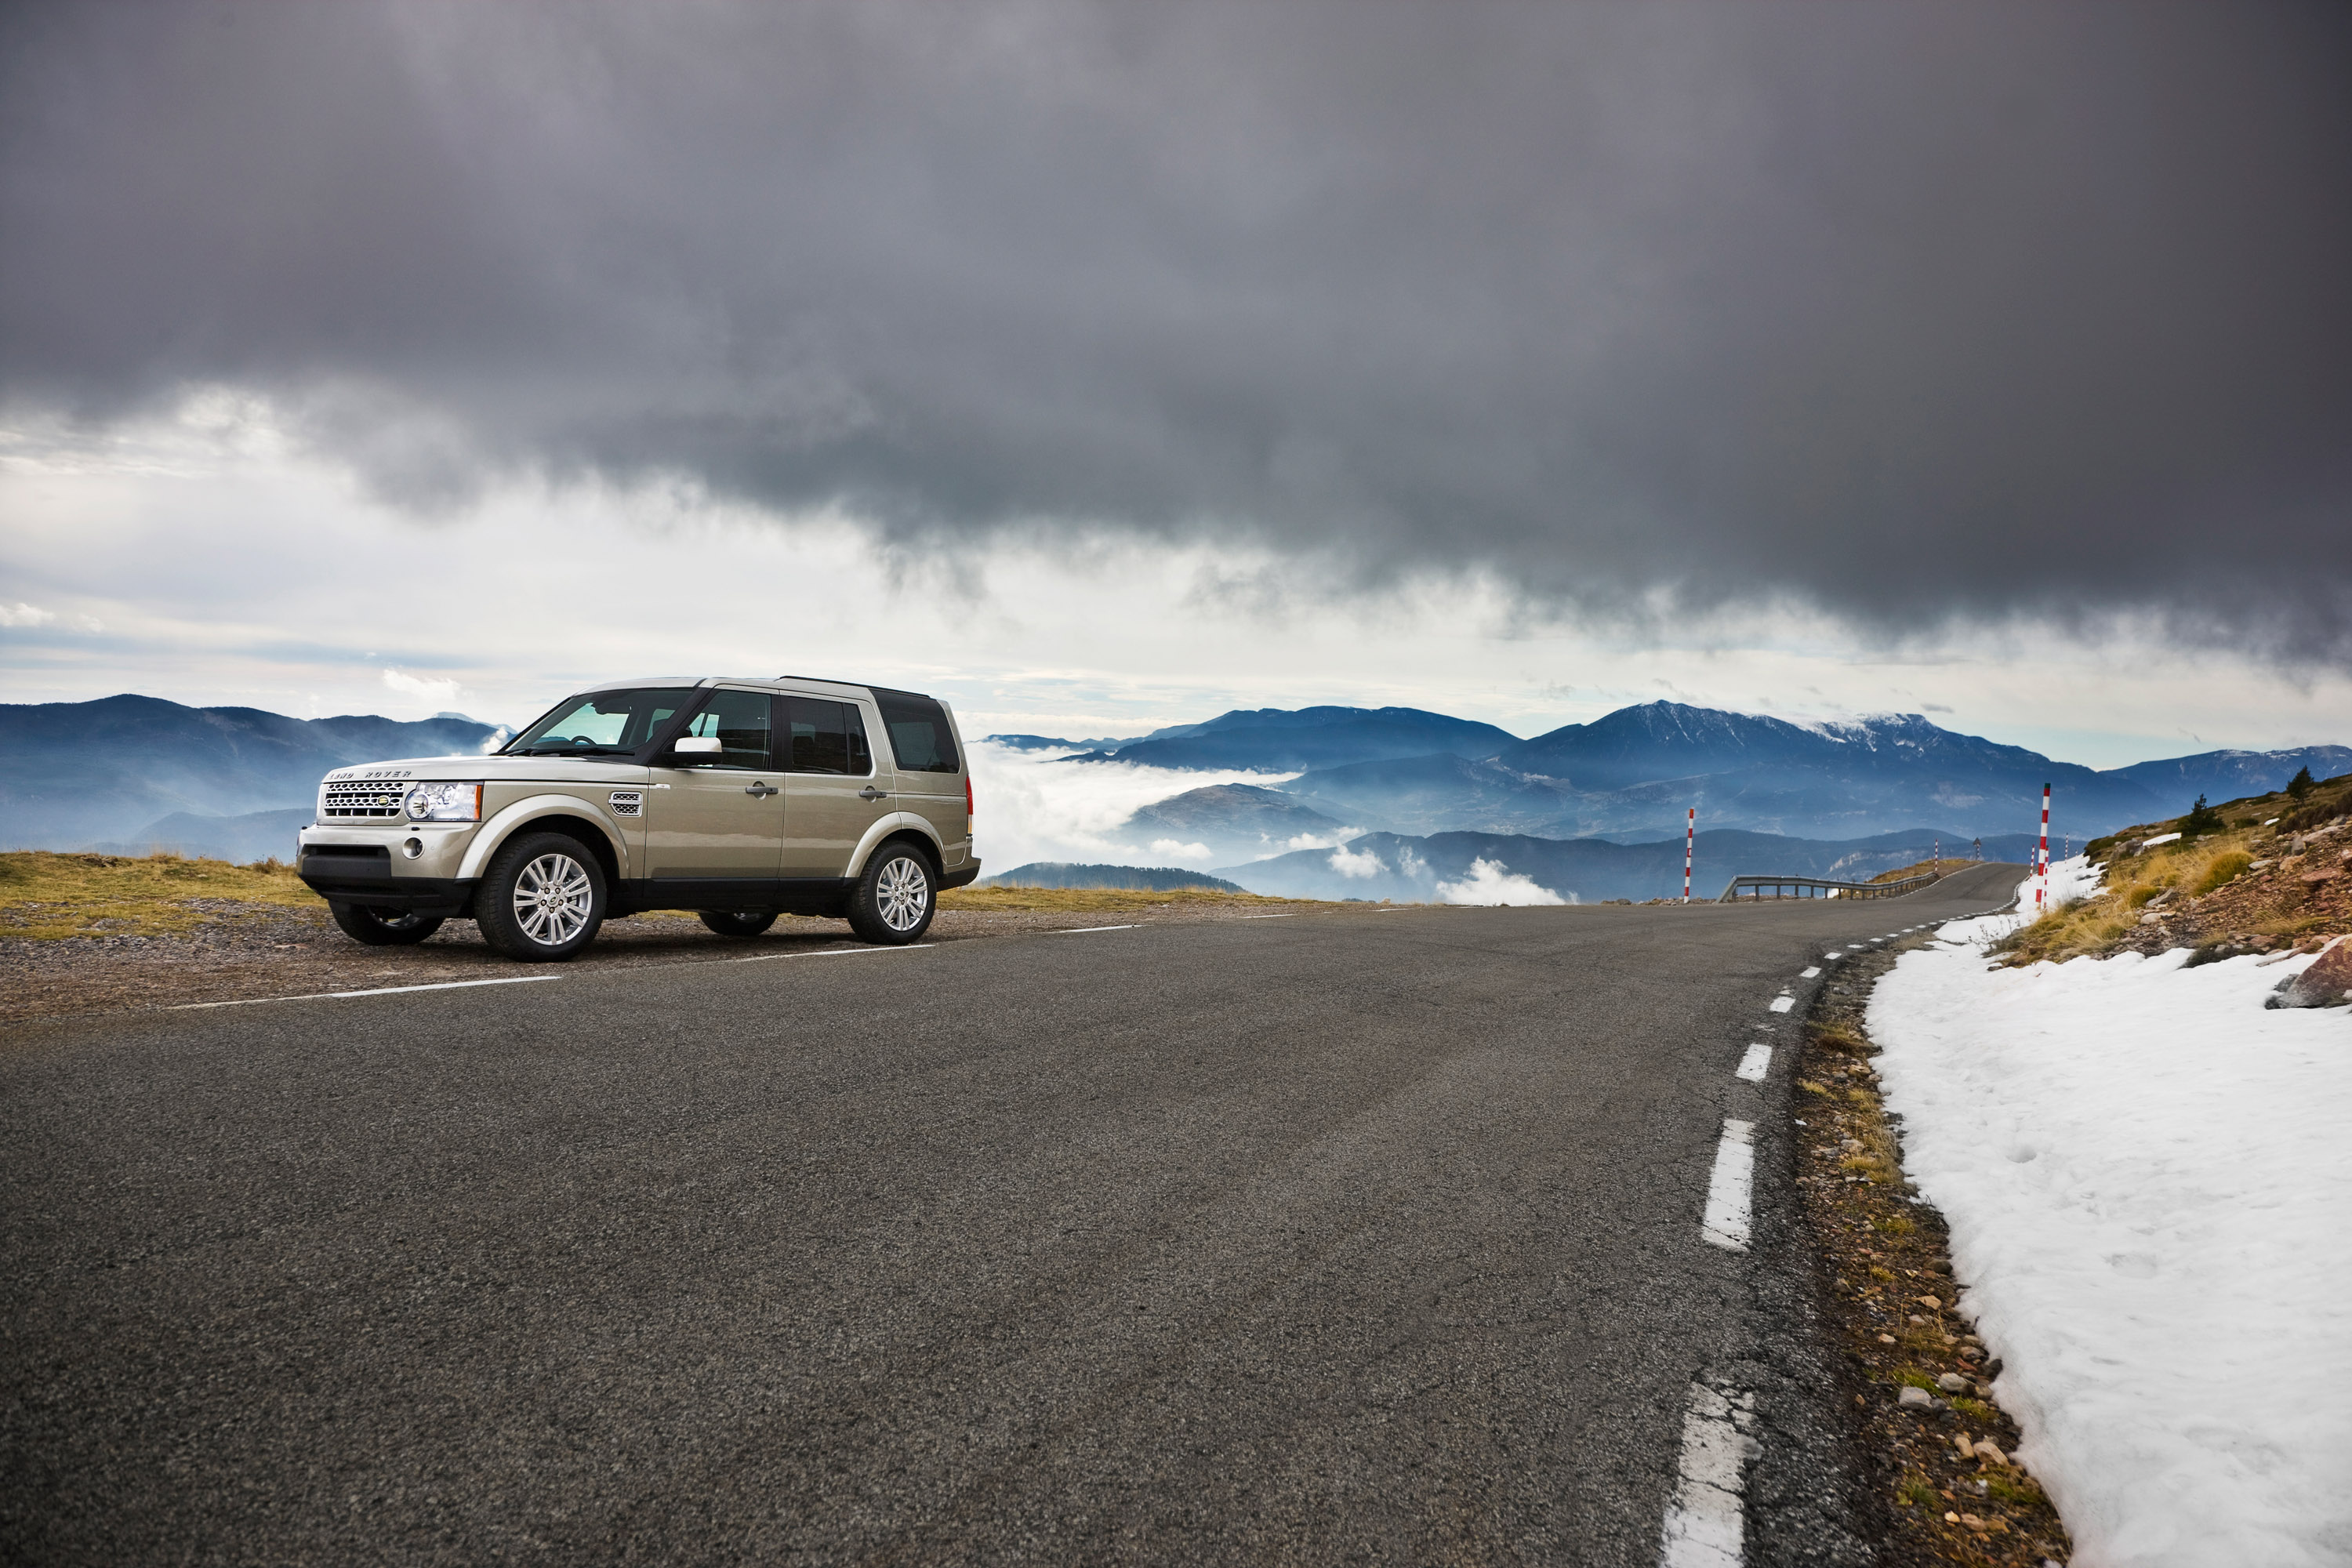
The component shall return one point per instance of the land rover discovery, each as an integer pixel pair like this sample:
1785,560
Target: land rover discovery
741,800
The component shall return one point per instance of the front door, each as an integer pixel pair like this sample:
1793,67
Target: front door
715,831
833,791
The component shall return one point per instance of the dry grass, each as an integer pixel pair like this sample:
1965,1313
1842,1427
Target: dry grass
2187,869
43,895
1050,900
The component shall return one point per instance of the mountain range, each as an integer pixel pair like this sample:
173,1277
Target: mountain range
1633,774
129,771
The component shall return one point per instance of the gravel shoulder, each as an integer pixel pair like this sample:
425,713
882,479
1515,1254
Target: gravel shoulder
241,951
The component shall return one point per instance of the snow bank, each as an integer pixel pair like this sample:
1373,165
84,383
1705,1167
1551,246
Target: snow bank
2149,1191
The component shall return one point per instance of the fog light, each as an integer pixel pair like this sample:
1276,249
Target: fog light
413,847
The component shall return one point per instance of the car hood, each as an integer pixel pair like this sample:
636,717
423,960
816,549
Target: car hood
511,770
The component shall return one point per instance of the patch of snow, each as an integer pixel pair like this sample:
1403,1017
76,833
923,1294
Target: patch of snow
2150,1202
1491,882
2159,839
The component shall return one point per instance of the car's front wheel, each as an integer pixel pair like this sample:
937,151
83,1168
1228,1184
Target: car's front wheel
728,923
383,928
897,897
541,900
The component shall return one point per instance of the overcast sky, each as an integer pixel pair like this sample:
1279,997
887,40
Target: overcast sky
1099,365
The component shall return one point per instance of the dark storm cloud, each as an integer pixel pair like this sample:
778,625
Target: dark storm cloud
1905,310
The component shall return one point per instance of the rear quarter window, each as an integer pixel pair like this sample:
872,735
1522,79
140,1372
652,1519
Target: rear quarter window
920,739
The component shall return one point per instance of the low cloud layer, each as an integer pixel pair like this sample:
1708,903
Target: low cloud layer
1906,310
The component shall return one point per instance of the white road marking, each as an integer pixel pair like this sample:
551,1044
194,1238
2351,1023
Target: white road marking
1706,1519
1755,1064
832,952
1292,915
1726,1222
1782,1004
379,991
1812,972
1081,931
1833,957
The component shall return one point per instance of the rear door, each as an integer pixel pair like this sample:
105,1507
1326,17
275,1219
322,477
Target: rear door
715,831
929,769
833,787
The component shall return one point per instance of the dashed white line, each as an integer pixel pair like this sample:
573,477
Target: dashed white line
379,991
1782,1004
1291,916
1811,973
1755,1064
1724,1224
1081,931
1706,1520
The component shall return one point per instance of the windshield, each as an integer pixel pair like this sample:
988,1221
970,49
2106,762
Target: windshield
603,723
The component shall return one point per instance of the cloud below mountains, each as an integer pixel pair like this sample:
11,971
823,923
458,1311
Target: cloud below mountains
1909,311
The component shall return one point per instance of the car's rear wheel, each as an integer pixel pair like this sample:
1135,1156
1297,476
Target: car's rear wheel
729,922
895,898
541,900
383,928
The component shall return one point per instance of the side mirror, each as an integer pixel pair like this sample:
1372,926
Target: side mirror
697,747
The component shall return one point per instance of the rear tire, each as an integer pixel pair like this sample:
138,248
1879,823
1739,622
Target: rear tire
895,898
541,900
383,928
726,923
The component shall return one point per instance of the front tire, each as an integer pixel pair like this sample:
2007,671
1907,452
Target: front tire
728,923
897,897
383,928
542,899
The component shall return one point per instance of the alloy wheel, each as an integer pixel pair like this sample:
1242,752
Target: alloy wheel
553,898
902,893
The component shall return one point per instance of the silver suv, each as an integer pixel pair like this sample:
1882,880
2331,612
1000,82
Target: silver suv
739,799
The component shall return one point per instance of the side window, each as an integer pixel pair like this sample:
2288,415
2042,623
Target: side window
740,720
820,734
919,736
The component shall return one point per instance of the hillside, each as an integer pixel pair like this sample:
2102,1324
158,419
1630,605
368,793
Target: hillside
1276,740
76,773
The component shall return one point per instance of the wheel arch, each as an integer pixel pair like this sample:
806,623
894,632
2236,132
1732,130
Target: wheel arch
549,813
898,826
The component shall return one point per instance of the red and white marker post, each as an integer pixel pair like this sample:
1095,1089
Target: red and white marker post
2042,856
1690,843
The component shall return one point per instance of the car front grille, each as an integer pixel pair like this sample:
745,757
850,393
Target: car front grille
361,802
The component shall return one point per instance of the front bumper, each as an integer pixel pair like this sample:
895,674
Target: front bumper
373,866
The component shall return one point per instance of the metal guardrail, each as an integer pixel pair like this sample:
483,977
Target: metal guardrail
1820,886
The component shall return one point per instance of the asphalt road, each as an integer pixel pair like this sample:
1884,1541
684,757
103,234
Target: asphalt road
1316,1239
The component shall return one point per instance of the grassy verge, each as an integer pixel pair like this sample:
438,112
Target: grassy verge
1946,1469
46,897
1943,868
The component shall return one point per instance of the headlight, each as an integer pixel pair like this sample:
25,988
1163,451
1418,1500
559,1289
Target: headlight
446,802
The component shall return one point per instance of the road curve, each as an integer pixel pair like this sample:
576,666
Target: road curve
1314,1239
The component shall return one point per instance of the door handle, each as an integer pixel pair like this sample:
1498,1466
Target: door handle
759,787
870,792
